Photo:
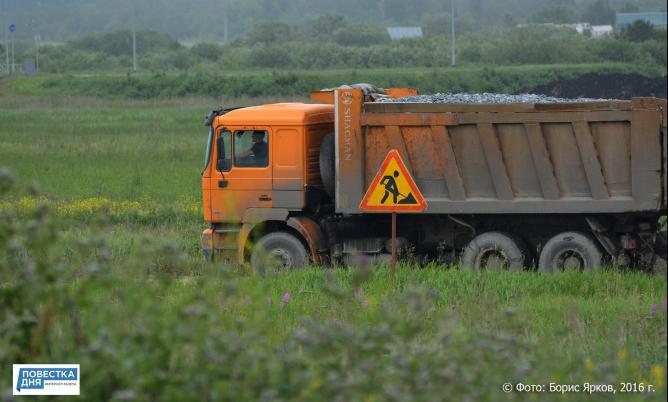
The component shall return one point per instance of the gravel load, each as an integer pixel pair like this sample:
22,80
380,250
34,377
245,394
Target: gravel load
486,98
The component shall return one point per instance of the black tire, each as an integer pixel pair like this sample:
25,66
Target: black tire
279,250
327,160
495,251
570,250
661,245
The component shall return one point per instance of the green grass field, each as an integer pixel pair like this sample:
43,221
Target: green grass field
109,276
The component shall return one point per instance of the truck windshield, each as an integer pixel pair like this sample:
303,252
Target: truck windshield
207,155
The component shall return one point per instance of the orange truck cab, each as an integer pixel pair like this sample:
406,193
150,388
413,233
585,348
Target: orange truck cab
515,185
262,175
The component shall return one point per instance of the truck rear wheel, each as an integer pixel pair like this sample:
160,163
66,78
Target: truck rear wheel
495,251
279,250
570,250
661,244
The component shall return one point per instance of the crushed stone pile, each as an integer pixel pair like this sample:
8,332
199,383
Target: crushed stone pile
486,98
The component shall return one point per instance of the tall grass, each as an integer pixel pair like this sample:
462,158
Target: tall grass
157,325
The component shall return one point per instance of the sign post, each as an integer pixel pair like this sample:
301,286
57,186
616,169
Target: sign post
11,67
393,261
393,190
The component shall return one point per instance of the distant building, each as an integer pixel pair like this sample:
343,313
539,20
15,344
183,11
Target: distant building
583,28
404,32
599,31
657,18
579,27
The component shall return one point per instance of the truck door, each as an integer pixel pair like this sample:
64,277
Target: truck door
243,174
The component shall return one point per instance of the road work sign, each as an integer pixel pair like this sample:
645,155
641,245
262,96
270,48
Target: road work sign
393,189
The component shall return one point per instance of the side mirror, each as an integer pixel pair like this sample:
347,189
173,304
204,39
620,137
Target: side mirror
222,163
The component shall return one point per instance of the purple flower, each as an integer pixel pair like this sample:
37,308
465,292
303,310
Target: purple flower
653,309
285,300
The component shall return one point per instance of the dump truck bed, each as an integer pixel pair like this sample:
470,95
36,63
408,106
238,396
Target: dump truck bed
596,157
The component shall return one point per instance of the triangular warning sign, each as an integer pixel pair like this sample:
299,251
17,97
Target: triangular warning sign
393,189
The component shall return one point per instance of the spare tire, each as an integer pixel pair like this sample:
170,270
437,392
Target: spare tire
327,168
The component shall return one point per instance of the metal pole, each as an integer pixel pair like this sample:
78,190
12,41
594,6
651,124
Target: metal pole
13,69
225,21
393,261
37,39
134,37
134,50
452,24
5,28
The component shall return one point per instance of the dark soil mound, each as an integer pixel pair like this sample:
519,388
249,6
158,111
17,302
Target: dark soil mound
608,86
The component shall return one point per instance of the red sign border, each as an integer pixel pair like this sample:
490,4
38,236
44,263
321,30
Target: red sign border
422,204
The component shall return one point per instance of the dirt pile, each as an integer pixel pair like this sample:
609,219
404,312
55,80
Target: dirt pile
607,86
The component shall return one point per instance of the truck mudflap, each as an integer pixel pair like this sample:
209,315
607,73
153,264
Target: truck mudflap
315,238
306,227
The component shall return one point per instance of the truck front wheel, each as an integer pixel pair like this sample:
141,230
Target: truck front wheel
570,250
279,250
495,251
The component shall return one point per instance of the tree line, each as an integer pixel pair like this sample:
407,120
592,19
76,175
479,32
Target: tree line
334,43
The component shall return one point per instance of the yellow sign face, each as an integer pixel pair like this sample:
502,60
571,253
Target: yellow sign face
393,189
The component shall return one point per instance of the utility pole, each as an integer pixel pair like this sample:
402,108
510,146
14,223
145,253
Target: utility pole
134,37
5,29
38,38
452,25
13,65
225,12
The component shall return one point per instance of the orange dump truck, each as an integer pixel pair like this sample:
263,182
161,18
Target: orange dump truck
508,186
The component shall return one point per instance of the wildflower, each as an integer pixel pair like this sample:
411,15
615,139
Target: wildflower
621,356
589,365
285,300
658,375
653,309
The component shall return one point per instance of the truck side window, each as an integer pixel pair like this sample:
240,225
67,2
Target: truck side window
224,150
251,148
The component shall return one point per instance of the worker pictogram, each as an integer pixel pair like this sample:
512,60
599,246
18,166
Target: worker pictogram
393,188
